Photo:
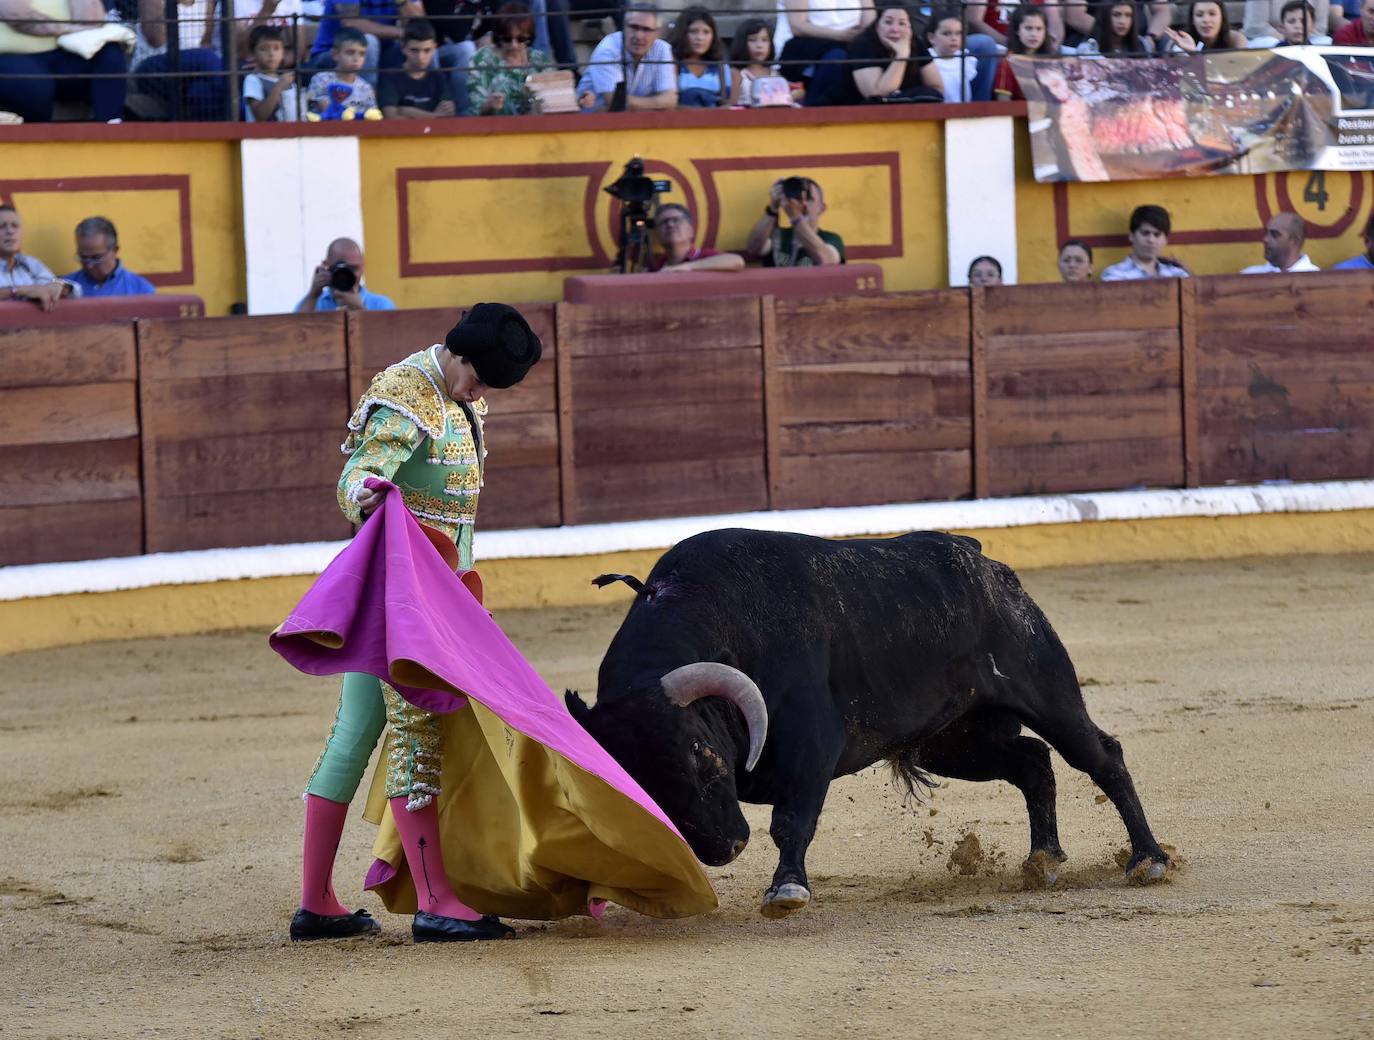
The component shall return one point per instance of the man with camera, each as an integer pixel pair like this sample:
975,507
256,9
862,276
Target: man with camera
338,283
803,244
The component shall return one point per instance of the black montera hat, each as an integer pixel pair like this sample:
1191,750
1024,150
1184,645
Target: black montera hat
497,341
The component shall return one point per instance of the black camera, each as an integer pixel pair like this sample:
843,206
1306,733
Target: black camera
636,193
794,188
634,189
342,278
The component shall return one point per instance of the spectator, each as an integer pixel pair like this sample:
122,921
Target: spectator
1358,32
813,35
1263,25
379,24
1076,261
955,65
496,81
298,32
1029,34
803,244
342,92
1080,20
676,231
887,62
985,270
703,78
101,272
29,49
751,54
416,90
1208,29
196,85
269,94
634,62
24,277
1150,227
1365,261
988,18
1296,22
1284,236
1116,33
338,283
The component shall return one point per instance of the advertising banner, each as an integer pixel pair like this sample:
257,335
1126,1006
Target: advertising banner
1217,112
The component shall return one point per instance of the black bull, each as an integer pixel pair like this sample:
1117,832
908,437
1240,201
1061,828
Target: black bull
917,649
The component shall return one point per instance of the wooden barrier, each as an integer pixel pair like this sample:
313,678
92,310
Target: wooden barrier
242,420
69,489
521,489
869,399
661,408
697,407
1077,387
23,314
1285,374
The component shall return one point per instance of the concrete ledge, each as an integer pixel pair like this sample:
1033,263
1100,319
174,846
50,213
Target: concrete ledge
513,582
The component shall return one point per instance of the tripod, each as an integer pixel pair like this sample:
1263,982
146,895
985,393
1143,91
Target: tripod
632,256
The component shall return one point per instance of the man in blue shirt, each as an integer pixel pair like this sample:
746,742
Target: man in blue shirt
1365,261
337,284
635,57
101,273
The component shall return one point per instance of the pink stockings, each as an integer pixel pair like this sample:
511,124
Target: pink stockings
324,824
419,832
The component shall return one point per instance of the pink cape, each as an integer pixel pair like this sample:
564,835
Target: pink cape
388,605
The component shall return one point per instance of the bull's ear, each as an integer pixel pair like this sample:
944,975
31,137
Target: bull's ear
576,707
725,657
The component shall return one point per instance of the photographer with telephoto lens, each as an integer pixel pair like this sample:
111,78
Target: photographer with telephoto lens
803,244
338,283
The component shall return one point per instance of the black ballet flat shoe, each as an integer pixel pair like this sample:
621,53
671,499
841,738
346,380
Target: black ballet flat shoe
429,927
307,926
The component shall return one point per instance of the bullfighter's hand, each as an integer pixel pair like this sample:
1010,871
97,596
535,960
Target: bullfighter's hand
370,498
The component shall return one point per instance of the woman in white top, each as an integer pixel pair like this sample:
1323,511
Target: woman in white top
812,34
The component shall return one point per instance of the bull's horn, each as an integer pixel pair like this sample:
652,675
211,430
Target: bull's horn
708,679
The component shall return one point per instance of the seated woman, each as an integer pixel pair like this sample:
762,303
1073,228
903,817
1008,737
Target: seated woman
704,80
813,35
28,48
1076,261
1207,30
1028,33
677,234
1117,33
888,64
496,79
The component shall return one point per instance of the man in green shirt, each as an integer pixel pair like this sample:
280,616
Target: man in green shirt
803,244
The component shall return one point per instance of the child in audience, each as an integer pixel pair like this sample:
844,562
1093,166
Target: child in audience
704,80
340,93
1028,32
956,67
1296,20
1116,33
751,54
416,91
269,94
985,271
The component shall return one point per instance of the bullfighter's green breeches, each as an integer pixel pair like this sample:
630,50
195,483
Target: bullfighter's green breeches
366,705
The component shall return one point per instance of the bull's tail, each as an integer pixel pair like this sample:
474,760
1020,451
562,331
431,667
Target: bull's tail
910,778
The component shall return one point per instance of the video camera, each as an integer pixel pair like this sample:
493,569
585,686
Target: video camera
636,193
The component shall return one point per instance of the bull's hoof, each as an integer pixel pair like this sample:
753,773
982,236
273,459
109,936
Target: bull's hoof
783,900
1041,869
1149,869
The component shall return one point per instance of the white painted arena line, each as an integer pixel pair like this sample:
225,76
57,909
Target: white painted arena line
274,561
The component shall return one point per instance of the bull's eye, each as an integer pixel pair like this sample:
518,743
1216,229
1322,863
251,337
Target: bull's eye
696,747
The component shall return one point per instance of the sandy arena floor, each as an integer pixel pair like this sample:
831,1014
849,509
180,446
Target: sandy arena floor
150,824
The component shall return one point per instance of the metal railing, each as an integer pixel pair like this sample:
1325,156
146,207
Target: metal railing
168,81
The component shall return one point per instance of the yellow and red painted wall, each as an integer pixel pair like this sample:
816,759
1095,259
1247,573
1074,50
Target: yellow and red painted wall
457,210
